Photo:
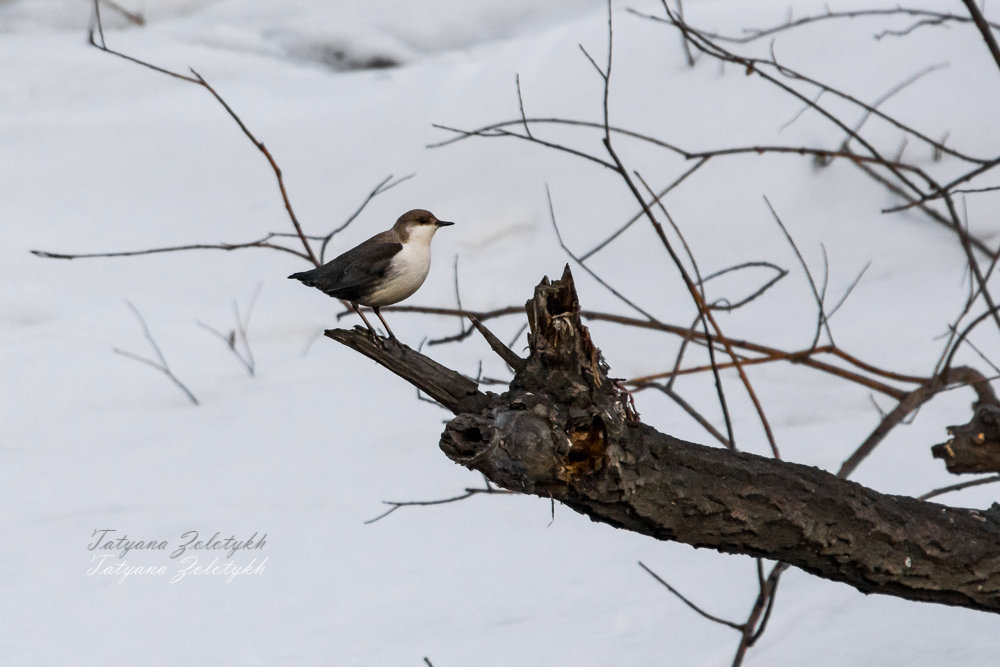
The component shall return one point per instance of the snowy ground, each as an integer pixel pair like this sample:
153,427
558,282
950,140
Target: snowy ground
99,154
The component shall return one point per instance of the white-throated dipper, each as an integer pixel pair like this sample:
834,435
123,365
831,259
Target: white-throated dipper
383,270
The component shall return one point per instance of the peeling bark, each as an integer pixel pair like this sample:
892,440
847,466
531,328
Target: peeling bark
565,431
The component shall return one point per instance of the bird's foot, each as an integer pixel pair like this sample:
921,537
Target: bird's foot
379,341
372,334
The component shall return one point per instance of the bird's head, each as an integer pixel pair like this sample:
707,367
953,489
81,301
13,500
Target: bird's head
418,225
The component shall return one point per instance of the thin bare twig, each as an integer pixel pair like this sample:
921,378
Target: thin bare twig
768,354
756,622
682,349
132,17
958,487
236,340
656,198
703,41
688,408
520,106
497,131
458,299
961,376
160,365
927,18
821,319
260,243
779,273
395,505
942,191
692,605
868,113
985,29
383,186
850,288
708,319
97,29
688,55
562,244
960,338
702,318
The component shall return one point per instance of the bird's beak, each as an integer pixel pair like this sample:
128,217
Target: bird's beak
443,223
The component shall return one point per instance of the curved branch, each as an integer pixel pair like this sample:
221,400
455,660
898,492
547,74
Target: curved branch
97,29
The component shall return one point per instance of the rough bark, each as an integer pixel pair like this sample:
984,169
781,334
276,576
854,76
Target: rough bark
565,431
452,390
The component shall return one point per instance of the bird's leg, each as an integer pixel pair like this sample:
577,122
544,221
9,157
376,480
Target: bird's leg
377,312
371,329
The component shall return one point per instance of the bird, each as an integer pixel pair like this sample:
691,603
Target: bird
383,270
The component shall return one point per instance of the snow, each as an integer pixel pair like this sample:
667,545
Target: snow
103,155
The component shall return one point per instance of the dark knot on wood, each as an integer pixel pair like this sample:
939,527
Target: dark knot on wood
975,446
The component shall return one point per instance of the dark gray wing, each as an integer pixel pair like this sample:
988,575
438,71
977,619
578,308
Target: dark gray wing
350,276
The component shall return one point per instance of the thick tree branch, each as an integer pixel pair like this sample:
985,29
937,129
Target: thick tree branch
563,431
452,390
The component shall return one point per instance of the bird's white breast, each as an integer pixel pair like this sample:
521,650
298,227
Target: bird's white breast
406,273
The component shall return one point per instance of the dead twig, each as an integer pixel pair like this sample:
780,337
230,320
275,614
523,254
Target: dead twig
132,17
161,363
958,487
260,243
753,628
692,605
236,339
707,318
395,505
768,354
925,17
383,186
97,39
822,321
658,197
985,29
